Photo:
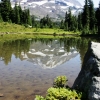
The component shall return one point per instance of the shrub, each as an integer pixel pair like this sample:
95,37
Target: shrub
60,81
60,92
54,34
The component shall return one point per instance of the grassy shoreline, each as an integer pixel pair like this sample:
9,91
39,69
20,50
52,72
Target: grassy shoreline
11,32
11,28
13,37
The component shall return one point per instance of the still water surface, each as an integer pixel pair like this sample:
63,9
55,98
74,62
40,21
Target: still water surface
28,67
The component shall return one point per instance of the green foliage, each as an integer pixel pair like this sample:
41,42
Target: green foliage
68,19
38,97
17,15
88,18
80,22
70,23
5,9
1,20
54,34
85,15
88,21
14,15
60,81
46,22
98,19
66,26
33,21
91,15
60,92
62,24
85,31
15,28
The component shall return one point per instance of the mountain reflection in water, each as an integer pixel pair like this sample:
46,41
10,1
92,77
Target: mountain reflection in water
44,52
38,49
50,55
21,77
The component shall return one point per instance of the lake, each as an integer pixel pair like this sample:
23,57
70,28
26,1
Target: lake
28,67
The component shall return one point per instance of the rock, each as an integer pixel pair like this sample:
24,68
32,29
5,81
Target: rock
88,79
7,32
1,95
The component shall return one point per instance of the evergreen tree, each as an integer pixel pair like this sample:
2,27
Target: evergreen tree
1,18
5,9
33,20
43,22
12,16
17,16
20,14
66,17
28,17
23,17
85,16
69,19
0,14
74,23
98,18
70,23
46,22
80,21
92,15
62,24
85,19
0,7
66,26
66,22
49,22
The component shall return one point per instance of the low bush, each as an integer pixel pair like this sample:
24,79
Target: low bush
60,91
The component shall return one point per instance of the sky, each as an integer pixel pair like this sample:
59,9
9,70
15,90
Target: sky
96,2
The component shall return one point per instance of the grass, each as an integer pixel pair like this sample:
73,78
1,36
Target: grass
14,28
13,37
21,32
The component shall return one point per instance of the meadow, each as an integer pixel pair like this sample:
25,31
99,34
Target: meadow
15,28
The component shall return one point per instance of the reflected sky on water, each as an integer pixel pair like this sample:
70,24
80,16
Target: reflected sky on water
28,67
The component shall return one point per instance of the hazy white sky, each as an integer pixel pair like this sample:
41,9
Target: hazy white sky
96,2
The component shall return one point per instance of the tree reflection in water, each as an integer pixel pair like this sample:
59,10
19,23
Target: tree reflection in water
17,47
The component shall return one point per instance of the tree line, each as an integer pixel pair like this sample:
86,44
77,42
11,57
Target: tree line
87,21
15,15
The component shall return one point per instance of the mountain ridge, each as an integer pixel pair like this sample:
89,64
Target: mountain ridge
53,8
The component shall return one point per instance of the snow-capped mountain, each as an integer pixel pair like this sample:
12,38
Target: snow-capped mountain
48,55
54,8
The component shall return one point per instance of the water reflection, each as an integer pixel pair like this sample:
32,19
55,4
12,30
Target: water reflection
7,49
22,80
47,53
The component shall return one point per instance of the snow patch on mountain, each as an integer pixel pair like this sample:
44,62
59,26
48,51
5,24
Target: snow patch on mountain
54,8
40,3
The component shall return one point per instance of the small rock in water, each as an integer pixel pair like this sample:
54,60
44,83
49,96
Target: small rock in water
1,95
